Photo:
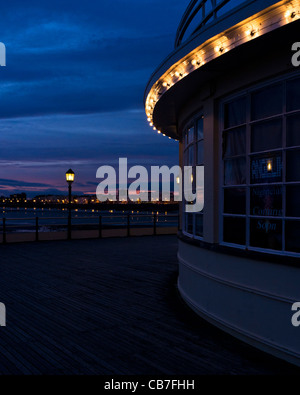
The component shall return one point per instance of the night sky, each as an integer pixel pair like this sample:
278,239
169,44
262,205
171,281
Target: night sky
72,90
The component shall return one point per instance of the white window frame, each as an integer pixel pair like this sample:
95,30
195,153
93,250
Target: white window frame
192,123
283,115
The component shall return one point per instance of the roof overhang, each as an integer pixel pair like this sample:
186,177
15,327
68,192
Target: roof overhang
213,52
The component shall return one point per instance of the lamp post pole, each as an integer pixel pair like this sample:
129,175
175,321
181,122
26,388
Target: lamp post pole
70,175
70,207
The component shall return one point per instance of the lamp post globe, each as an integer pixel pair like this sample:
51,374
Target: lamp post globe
70,176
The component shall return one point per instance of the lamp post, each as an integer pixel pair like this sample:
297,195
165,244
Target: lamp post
70,176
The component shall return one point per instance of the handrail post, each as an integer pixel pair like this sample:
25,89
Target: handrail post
37,229
4,230
154,224
128,225
100,227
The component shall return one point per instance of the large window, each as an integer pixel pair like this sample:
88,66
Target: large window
261,169
193,155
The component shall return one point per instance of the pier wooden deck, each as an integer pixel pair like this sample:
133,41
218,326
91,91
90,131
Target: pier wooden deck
109,307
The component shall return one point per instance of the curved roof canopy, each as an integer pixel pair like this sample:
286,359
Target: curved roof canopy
208,50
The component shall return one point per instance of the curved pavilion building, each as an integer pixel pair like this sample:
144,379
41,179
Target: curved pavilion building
230,94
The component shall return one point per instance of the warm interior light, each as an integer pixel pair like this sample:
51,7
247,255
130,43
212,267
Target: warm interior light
270,165
192,178
178,180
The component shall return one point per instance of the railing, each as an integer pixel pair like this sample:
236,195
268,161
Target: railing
207,10
54,228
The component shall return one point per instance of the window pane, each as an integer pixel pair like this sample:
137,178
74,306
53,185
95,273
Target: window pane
267,102
200,156
266,233
191,155
200,129
189,223
266,168
235,201
199,225
266,201
266,135
293,130
293,165
235,171
234,142
292,201
234,230
186,157
235,113
190,135
292,236
293,95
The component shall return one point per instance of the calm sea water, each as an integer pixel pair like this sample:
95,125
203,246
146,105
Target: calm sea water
22,219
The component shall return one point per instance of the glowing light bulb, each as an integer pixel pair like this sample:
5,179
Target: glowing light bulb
270,165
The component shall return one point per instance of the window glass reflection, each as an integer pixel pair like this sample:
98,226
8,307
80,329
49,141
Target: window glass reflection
266,233
235,201
267,102
266,168
234,230
266,135
235,171
234,142
293,94
235,113
266,201
292,236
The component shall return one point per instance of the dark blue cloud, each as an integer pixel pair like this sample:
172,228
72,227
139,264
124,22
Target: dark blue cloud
72,91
